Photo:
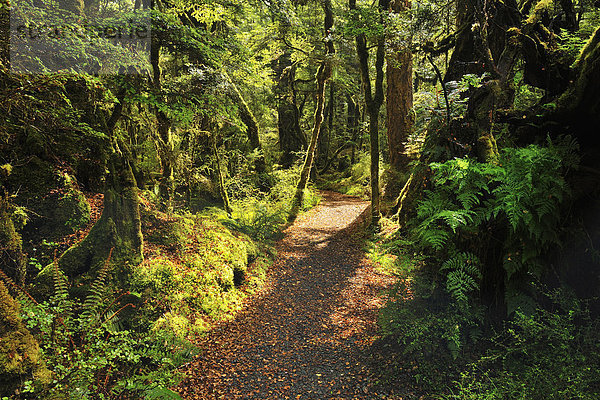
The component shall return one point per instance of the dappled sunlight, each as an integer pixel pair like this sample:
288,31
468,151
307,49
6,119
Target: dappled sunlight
308,332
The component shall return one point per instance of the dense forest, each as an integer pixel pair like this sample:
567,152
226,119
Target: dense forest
154,151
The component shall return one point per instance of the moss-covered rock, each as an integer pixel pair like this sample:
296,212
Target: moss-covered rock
20,356
52,204
196,274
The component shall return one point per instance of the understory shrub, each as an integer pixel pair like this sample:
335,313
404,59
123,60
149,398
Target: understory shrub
91,354
553,353
261,215
478,244
356,183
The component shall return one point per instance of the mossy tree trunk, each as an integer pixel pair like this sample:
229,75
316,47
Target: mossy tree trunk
119,226
322,76
166,147
399,99
220,176
579,105
248,119
485,48
291,138
353,115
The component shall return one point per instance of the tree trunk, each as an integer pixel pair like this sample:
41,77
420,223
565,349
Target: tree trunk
399,100
579,106
373,105
326,135
166,147
463,60
248,119
352,125
220,177
291,139
323,74
119,227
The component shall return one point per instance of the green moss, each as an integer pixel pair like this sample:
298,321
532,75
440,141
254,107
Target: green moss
12,259
581,93
203,279
538,11
20,355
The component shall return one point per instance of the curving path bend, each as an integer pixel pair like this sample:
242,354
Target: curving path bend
308,334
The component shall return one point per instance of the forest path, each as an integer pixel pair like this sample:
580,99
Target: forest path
307,335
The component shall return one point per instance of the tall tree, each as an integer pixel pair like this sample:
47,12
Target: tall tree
399,99
323,74
373,102
291,138
165,137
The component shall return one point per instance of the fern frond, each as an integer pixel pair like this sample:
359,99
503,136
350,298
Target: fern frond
457,218
434,237
94,299
463,276
459,283
22,295
469,199
60,296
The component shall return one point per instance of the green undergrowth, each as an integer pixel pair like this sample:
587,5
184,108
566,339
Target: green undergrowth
130,341
444,352
480,309
199,268
197,272
353,181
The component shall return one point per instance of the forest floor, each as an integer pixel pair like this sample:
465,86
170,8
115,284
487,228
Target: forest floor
309,333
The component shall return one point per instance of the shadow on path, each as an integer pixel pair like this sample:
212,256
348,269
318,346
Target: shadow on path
307,336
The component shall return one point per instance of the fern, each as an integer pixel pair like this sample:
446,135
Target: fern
463,276
60,298
20,293
455,218
436,238
93,300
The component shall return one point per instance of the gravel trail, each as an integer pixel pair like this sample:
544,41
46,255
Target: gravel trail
308,333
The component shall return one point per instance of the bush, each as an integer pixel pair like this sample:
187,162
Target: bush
89,353
551,354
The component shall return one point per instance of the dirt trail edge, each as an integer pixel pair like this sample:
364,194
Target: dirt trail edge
307,334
